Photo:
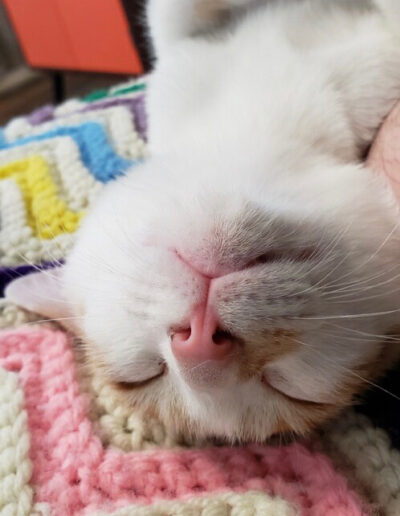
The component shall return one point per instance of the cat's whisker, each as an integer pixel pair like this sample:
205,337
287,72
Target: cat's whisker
340,300
330,248
358,286
345,286
342,316
50,273
380,247
95,260
339,336
348,370
197,366
52,320
365,334
374,254
132,254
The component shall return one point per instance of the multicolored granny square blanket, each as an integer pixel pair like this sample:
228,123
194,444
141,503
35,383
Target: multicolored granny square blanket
68,444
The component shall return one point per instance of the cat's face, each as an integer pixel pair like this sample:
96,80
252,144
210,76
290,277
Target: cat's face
236,311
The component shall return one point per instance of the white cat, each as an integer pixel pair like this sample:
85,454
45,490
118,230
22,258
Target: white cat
242,281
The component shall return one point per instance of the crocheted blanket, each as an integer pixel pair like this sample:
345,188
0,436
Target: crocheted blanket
68,444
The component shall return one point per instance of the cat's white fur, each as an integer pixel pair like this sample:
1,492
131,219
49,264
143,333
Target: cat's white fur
259,116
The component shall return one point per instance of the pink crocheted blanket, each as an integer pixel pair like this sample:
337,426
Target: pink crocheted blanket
53,460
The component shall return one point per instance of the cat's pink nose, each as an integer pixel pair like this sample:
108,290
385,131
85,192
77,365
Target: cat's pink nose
203,340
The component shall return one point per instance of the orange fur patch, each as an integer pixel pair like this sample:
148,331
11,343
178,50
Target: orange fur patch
272,344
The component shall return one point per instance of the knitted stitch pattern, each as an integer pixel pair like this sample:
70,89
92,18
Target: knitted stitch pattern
73,472
68,443
54,162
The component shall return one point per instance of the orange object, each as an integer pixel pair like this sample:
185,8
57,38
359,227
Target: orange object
86,35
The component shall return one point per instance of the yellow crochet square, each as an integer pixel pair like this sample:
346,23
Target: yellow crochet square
47,214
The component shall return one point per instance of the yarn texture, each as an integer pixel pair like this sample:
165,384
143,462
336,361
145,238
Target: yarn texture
74,472
69,445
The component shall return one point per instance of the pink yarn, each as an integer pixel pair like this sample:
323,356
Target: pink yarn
73,472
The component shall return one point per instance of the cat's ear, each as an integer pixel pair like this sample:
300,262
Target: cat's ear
384,155
42,293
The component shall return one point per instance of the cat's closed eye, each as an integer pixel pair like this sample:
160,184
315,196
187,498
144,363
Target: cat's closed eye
142,383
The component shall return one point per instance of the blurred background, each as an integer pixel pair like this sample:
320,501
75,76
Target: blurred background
55,49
